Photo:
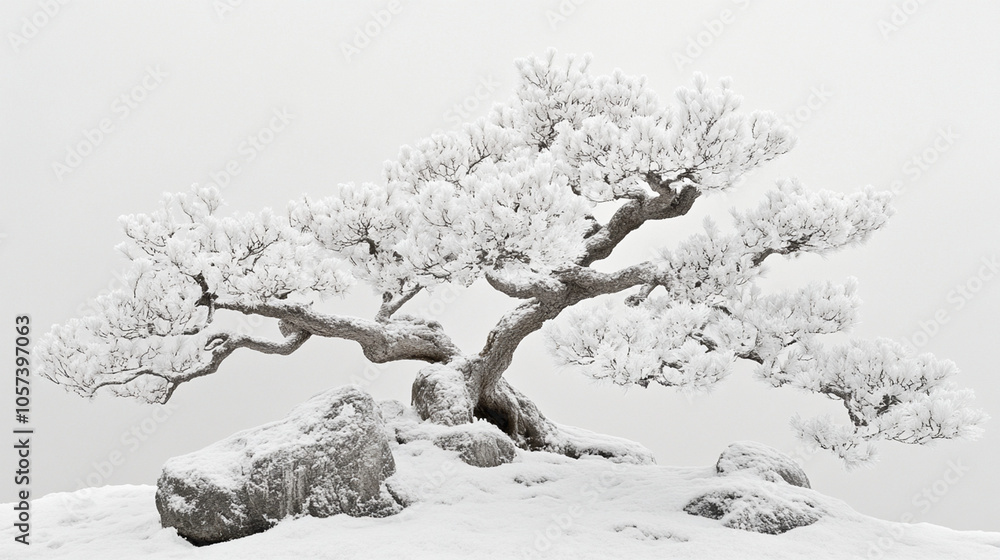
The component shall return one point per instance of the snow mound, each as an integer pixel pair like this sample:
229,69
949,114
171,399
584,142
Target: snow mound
540,505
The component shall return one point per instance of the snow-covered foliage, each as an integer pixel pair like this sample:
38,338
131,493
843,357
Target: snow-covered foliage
516,190
888,392
512,198
713,314
152,331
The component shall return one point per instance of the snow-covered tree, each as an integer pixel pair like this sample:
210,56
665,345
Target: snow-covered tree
511,199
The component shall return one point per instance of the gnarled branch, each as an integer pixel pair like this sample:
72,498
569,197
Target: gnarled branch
579,283
535,286
381,341
220,346
670,203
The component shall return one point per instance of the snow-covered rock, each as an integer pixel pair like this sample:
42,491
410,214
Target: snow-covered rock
439,395
330,455
762,461
540,505
756,508
759,499
576,442
479,444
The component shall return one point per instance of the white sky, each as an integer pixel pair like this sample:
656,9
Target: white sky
217,79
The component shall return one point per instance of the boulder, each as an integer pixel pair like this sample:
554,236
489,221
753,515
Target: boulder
479,444
439,395
330,455
756,508
761,461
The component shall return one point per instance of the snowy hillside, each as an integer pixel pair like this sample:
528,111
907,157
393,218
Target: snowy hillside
540,506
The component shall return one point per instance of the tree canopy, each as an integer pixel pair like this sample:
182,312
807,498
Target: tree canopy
511,199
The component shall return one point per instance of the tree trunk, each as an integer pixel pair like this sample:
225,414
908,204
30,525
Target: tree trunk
518,417
463,391
471,387
460,392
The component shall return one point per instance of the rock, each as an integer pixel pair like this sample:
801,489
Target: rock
439,395
479,444
757,509
392,409
578,442
330,455
764,462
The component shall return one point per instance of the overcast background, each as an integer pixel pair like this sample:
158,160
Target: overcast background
870,85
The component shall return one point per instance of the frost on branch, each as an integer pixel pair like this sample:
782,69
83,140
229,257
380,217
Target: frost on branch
615,137
889,394
513,198
515,192
245,259
449,227
713,314
153,332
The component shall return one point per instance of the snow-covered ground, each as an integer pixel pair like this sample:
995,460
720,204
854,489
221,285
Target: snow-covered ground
540,506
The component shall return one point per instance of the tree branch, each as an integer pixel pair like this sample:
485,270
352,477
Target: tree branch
792,247
381,341
636,299
391,303
537,286
670,203
594,283
578,283
221,346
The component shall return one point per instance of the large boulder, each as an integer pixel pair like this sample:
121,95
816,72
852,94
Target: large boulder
761,461
479,444
330,455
